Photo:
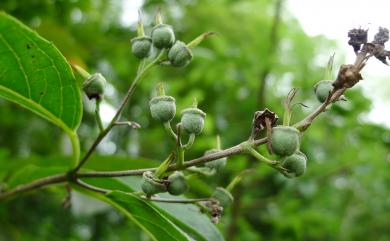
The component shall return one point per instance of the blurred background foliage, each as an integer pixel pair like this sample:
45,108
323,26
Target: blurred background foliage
259,54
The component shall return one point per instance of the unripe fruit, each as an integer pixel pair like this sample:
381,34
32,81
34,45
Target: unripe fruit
163,108
295,164
177,183
141,46
216,164
224,197
284,140
163,36
180,55
94,86
152,185
322,89
192,120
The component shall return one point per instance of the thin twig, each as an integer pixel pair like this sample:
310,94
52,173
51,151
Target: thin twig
59,178
170,200
118,112
237,149
131,124
90,187
308,120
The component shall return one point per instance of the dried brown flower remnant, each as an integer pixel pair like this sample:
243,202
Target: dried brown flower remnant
348,76
214,209
357,38
382,36
378,49
259,121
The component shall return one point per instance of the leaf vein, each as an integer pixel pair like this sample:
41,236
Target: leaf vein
19,63
57,72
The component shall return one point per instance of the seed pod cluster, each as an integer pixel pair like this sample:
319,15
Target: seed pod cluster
175,184
152,185
285,143
162,37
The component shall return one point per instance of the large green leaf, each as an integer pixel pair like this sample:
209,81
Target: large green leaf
185,216
191,220
156,225
35,75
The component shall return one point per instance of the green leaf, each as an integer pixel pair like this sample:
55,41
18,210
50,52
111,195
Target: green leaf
189,218
186,216
35,75
156,225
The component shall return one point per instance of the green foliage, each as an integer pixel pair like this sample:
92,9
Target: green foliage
224,197
36,76
342,196
153,222
185,217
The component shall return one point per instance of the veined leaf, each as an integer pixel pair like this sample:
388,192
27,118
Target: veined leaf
191,220
146,216
35,75
187,217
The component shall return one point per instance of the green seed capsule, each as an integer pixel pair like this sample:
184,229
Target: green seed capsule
141,46
94,86
177,183
163,36
180,55
284,140
152,185
224,197
192,120
163,108
322,89
295,164
218,164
